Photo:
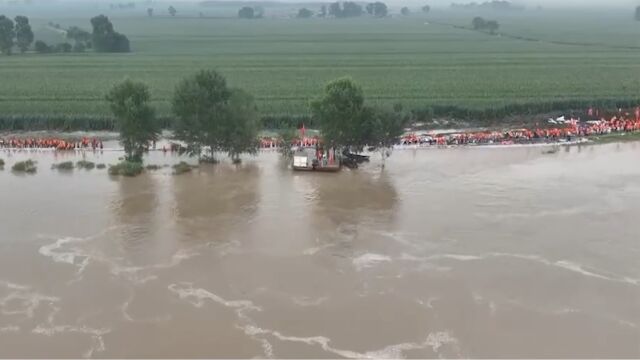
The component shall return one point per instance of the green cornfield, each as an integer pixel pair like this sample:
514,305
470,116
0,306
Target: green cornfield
418,61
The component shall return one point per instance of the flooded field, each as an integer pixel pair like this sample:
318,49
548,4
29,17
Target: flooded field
445,253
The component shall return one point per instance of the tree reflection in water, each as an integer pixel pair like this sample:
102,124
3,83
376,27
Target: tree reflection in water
351,205
212,200
134,210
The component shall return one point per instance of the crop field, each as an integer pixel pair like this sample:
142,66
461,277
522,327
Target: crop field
417,61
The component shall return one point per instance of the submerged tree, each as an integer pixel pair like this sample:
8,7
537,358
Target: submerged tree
387,128
212,115
340,113
638,13
135,119
405,11
199,102
24,34
426,9
345,121
7,33
172,11
239,128
150,12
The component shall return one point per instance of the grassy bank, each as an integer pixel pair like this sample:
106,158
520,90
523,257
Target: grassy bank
616,137
438,116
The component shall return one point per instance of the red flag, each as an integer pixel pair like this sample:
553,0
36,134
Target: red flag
302,130
637,113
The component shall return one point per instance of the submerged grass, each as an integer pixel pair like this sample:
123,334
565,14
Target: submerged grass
616,137
101,166
126,168
64,166
84,164
181,168
27,166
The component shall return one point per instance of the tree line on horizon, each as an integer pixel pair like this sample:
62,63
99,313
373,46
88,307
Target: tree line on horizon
348,9
104,38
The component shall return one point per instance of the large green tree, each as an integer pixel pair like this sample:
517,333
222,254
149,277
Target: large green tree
24,34
239,128
213,116
129,102
346,122
7,33
386,130
199,103
340,113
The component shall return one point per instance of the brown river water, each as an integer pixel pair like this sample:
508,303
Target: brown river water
444,253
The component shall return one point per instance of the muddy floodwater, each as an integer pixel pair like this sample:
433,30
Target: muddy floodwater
444,253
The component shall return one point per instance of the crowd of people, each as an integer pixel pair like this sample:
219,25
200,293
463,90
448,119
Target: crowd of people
51,143
561,131
573,129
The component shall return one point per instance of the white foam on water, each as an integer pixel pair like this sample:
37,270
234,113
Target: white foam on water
55,252
458,257
68,250
22,300
13,286
434,341
9,329
369,260
197,297
571,266
572,211
95,334
563,264
125,312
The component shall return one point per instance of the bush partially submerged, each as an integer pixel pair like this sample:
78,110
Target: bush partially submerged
28,166
126,168
87,165
101,166
152,167
208,160
181,168
1,163
67,165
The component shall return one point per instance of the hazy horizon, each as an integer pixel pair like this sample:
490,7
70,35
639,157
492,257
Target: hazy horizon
436,3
